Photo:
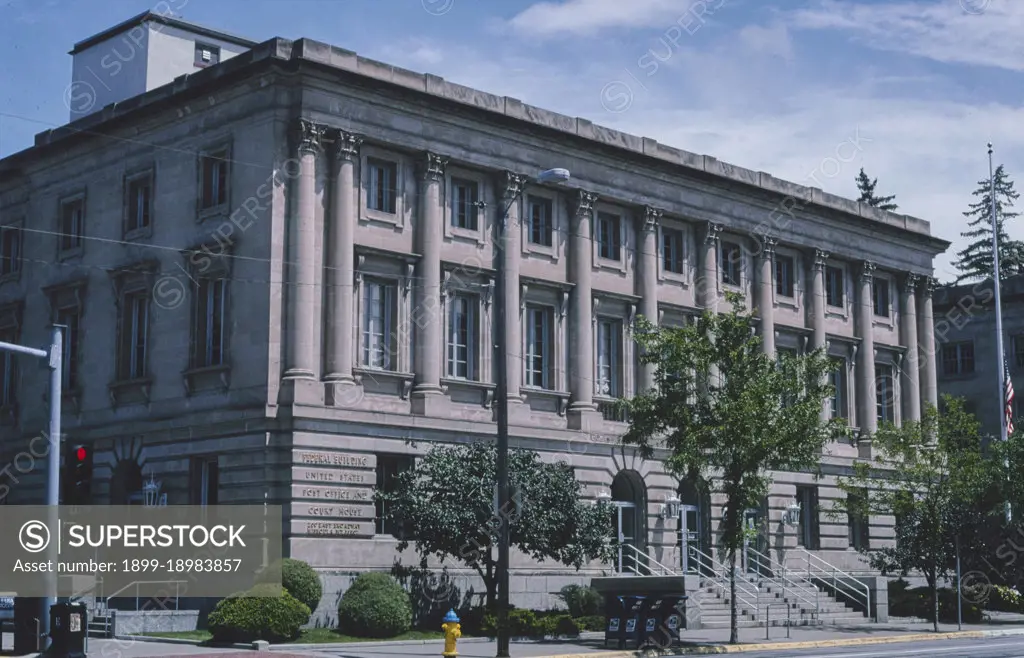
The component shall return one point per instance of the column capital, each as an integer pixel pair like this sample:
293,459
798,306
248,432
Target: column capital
346,145
820,258
432,167
652,217
928,285
910,282
867,272
714,230
584,202
768,245
512,184
309,136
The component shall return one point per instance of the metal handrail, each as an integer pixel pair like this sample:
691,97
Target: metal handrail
136,584
721,580
777,568
648,560
842,582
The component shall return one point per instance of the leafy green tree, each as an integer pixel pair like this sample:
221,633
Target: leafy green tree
446,503
931,485
867,193
728,414
974,262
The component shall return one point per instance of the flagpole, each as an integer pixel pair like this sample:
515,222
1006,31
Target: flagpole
1000,355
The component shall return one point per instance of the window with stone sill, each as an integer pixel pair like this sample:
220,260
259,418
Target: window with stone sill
70,319
389,467
839,402
209,322
785,276
463,329
214,178
380,335
132,353
72,224
382,185
609,236
465,204
138,211
8,370
609,358
541,221
539,350
672,259
10,251
958,358
885,394
731,264
834,286
880,297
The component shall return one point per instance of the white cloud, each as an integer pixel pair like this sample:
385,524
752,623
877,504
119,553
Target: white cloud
587,17
772,40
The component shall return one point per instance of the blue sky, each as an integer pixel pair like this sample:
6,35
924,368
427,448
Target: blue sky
781,86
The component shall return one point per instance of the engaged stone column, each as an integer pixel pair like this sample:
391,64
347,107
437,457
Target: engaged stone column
509,253
582,412
819,338
426,394
766,297
911,369
708,291
866,388
926,330
649,281
341,275
302,290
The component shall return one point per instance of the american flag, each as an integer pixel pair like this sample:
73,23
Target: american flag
1009,398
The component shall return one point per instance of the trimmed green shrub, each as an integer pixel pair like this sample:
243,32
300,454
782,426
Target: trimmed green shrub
523,623
566,625
298,578
917,602
594,623
375,606
582,601
270,617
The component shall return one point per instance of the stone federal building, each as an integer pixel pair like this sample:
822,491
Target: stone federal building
276,261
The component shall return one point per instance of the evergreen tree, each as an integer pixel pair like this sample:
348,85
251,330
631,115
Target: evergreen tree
974,262
867,193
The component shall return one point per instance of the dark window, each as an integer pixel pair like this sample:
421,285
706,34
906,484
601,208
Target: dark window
958,358
70,319
138,203
380,337
206,55
858,531
539,336
672,250
785,271
732,261
388,469
8,370
383,181
462,333
808,533
465,204
834,286
839,382
609,358
10,250
541,221
214,172
134,332
880,294
204,481
885,392
609,236
72,224
209,330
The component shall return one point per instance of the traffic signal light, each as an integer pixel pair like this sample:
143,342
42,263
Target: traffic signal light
77,474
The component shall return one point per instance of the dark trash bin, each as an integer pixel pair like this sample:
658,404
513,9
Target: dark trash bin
27,625
622,619
69,624
663,620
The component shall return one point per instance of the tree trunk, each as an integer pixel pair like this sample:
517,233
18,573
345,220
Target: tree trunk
933,583
734,635
491,582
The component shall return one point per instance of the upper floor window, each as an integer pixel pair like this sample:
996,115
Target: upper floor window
672,250
834,286
72,224
732,261
8,369
465,203
958,358
70,319
880,296
838,379
383,182
885,392
134,332
138,203
209,323
462,334
609,358
539,346
10,250
609,236
540,216
214,178
206,55
785,271
379,315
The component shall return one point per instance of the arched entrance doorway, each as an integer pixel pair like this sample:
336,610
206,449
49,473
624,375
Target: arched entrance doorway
629,496
694,527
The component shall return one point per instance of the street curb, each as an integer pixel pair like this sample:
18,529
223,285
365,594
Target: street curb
592,635
704,649
174,640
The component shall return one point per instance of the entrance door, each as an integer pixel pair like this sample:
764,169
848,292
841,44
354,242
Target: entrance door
751,526
626,531
689,531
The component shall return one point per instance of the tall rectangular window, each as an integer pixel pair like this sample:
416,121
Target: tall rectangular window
609,358
8,370
462,333
465,204
808,533
138,203
210,323
885,401
958,358
10,250
785,272
383,180
880,296
134,333
834,286
379,339
542,223
858,530
609,236
389,467
72,224
840,396
214,179
732,261
70,319
539,337
672,250
204,481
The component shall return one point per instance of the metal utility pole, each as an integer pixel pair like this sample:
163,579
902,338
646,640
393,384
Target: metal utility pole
1001,368
54,358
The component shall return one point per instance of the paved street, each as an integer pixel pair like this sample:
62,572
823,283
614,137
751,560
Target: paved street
997,647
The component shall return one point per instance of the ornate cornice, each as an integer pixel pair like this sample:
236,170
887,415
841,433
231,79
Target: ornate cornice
346,145
512,185
433,167
652,217
820,258
867,271
585,202
310,136
714,230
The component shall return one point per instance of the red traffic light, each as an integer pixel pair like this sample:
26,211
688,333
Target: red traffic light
81,454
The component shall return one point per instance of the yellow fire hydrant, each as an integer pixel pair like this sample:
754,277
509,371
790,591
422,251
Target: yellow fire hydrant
452,632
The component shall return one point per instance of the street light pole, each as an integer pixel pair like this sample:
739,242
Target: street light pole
501,399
